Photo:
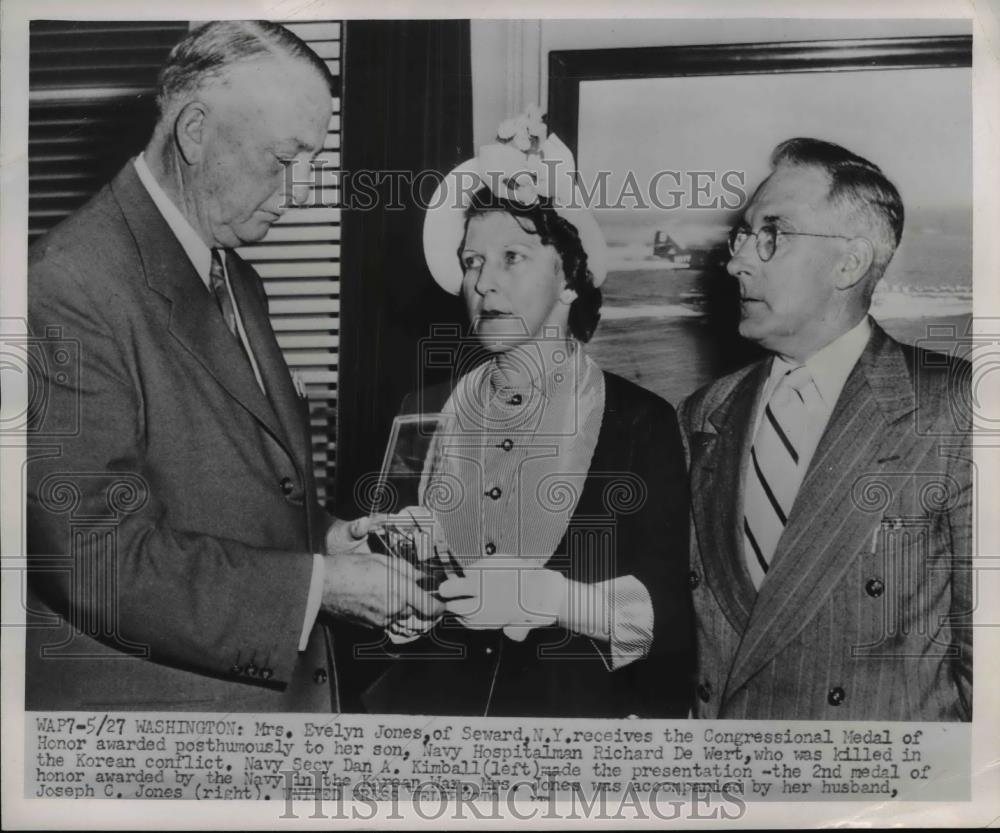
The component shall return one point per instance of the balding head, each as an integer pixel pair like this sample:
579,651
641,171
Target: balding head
244,108
209,53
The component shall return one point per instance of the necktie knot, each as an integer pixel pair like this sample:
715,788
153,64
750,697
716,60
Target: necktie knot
217,270
796,382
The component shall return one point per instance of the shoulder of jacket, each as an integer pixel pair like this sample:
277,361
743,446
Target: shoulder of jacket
620,392
92,245
695,408
942,382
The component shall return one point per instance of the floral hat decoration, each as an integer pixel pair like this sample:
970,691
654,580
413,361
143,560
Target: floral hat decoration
525,163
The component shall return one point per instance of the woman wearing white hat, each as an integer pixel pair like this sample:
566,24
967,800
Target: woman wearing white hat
569,592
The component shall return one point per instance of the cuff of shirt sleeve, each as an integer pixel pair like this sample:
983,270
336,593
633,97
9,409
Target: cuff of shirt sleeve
622,609
632,621
313,602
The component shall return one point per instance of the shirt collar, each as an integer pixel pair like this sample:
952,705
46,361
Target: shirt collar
831,366
547,376
199,254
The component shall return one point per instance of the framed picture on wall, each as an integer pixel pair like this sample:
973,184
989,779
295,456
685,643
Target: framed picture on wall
671,141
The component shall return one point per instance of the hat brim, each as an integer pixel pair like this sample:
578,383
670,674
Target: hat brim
444,228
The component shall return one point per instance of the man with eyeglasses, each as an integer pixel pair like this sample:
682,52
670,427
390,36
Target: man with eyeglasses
831,481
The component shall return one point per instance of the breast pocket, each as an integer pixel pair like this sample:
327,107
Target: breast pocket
900,585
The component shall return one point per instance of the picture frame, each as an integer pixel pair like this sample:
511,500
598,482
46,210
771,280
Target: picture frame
671,141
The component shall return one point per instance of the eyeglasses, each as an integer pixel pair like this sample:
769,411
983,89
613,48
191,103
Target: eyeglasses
767,238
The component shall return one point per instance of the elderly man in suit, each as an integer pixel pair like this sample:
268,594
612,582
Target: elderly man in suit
179,559
831,481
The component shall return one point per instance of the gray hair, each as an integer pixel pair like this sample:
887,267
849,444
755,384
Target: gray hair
210,50
859,187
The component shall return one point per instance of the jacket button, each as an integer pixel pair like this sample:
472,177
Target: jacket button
251,670
490,548
266,673
319,676
874,588
694,579
704,692
488,651
835,696
494,493
287,487
506,445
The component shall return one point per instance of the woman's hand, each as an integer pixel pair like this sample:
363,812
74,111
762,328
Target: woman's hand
505,592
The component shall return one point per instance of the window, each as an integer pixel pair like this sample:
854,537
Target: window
91,107
299,261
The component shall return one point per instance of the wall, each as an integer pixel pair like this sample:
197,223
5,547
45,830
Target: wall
510,57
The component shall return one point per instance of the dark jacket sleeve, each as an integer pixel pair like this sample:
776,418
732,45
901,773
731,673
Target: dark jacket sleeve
655,545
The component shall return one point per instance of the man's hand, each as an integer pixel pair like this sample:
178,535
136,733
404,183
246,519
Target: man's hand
374,590
410,629
411,526
348,536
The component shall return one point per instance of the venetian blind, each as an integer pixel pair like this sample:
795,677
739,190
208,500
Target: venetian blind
92,107
299,261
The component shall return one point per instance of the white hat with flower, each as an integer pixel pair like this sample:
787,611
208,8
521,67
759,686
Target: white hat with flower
524,164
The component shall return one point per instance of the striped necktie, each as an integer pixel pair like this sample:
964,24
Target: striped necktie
778,460
217,282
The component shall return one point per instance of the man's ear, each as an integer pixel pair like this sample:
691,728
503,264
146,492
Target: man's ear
189,132
855,263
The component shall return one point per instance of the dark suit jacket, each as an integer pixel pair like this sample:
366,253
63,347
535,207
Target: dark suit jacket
866,611
171,510
636,493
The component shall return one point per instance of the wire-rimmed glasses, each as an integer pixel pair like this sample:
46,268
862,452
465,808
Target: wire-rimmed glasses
767,238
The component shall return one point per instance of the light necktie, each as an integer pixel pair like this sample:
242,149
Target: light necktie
217,281
778,459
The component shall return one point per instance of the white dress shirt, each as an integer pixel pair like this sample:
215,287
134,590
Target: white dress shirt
201,258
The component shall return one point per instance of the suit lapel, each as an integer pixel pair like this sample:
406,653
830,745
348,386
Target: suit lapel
829,522
194,318
718,464
270,360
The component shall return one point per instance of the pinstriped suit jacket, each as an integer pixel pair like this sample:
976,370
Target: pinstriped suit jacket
866,611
